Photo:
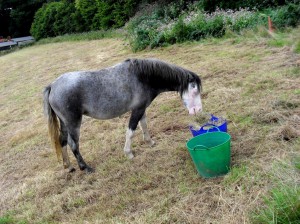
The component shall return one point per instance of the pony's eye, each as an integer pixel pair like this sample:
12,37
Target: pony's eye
193,85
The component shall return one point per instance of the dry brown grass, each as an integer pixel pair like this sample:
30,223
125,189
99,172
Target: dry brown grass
254,86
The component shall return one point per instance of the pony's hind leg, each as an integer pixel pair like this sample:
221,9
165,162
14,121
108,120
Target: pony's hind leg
73,141
64,141
146,135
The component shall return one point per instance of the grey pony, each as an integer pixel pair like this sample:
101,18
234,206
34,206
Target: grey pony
108,93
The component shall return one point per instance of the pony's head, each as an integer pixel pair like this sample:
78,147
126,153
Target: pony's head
191,95
162,76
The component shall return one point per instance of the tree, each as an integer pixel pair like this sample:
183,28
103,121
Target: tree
105,14
87,9
56,18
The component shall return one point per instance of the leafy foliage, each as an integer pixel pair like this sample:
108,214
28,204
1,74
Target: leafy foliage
56,18
288,15
105,14
87,9
17,16
159,29
212,5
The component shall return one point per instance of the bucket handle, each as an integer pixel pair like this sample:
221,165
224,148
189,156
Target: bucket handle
202,147
212,126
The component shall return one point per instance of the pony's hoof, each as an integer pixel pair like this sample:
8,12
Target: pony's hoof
89,170
130,155
72,169
151,143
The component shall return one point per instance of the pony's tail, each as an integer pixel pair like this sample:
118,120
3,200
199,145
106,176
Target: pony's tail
53,124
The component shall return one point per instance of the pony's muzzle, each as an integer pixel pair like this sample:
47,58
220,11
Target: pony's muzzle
195,110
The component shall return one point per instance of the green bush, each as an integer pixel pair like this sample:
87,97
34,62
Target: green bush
160,28
214,27
54,19
106,14
143,31
87,9
212,5
153,31
141,41
62,17
246,21
288,15
196,30
179,33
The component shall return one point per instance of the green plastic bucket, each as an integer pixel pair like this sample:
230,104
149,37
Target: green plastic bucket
211,153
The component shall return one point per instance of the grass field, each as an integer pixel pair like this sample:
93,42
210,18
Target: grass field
251,81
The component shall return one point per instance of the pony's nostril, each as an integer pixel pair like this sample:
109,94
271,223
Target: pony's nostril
198,109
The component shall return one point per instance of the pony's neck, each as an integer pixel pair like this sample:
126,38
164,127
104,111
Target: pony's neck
161,76
160,84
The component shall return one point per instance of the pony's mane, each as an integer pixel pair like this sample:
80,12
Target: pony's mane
161,75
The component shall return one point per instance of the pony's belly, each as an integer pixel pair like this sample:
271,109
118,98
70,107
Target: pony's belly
104,115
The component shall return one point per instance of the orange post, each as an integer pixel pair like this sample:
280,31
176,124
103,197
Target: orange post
271,28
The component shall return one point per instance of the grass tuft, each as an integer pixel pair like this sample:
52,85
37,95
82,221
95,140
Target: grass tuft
6,220
281,206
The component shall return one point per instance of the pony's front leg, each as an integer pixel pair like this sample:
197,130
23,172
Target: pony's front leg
146,135
127,147
136,116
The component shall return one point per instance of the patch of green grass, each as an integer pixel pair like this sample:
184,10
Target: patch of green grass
297,47
93,35
296,162
183,188
281,206
243,178
165,108
235,175
282,203
297,91
294,72
78,202
8,219
278,42
260,86
286,38
244,120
